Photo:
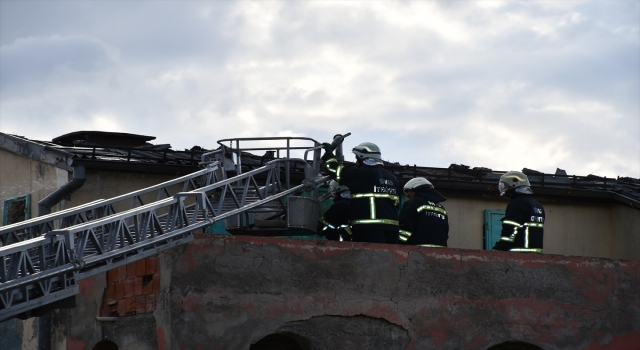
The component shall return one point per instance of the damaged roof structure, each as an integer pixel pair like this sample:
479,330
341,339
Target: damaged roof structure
131,152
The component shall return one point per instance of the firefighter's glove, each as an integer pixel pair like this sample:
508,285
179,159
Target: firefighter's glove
327,155
327,147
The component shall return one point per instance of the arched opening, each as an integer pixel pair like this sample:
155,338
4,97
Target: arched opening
280,341
514,345
105,345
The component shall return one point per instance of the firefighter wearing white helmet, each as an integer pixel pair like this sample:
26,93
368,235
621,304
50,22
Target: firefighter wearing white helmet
423,220
374,194
334,224
523,222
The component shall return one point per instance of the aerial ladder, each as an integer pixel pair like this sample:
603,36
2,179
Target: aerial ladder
42,259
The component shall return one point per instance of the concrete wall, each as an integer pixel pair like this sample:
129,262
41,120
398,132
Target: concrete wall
20,175
229,292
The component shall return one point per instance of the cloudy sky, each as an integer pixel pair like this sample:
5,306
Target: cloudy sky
502,85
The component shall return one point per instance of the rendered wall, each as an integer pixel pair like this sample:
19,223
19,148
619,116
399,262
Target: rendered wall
578,229
108,184
20,175
227,292
626,238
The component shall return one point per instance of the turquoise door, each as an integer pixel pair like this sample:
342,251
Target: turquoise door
492,227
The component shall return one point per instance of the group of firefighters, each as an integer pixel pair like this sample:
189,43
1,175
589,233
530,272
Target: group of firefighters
366,199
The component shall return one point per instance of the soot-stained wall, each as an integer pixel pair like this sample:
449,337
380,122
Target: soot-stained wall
228,292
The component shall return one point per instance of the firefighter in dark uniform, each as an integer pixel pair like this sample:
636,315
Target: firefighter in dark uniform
335,221
523,222
423,220
374,194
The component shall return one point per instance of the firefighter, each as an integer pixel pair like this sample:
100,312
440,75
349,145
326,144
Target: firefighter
335,222
374,194
423,220
523,222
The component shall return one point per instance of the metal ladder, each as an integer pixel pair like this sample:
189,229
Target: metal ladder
42,260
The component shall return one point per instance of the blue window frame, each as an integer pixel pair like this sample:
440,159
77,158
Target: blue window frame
492,227
16,209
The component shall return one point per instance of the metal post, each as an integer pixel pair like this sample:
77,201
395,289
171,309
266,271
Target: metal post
339,154
286,165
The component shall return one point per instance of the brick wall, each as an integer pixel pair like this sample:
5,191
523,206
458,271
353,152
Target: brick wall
132,289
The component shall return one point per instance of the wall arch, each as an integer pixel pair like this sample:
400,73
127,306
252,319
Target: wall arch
515,345
281,341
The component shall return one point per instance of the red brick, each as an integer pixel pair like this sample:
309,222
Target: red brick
156,283
156,259
137,286
128,288
122,273
110,293
105,309
148,287
141,304
140,268
150,266
119,289
112,275
131,270
151,302
131,305
122,307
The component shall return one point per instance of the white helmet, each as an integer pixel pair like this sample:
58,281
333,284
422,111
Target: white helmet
416,183
514,180
367,150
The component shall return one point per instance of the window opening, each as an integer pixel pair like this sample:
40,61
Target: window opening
16,209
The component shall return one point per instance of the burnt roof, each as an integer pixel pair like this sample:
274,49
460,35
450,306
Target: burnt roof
456,178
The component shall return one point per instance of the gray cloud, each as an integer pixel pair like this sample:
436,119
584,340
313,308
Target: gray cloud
520,84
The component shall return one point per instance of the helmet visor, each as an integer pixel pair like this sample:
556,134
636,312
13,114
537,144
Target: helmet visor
502,188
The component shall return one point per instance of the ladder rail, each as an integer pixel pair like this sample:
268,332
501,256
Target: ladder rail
39,226
46,267
39,270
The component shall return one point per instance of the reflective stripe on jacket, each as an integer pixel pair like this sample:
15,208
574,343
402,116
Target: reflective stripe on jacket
374,195
423,221
522,226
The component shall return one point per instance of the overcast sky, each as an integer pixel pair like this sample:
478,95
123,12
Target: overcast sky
502,85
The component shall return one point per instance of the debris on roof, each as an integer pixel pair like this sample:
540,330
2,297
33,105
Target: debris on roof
101,150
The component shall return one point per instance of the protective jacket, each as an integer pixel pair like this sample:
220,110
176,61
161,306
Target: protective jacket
374,195
335,221
423,220
522,225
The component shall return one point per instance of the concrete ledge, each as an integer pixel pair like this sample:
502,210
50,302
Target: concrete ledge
232,291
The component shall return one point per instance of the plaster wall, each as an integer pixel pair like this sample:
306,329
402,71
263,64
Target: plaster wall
109,184
580,229
626,233
20,175
228,292
466,219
